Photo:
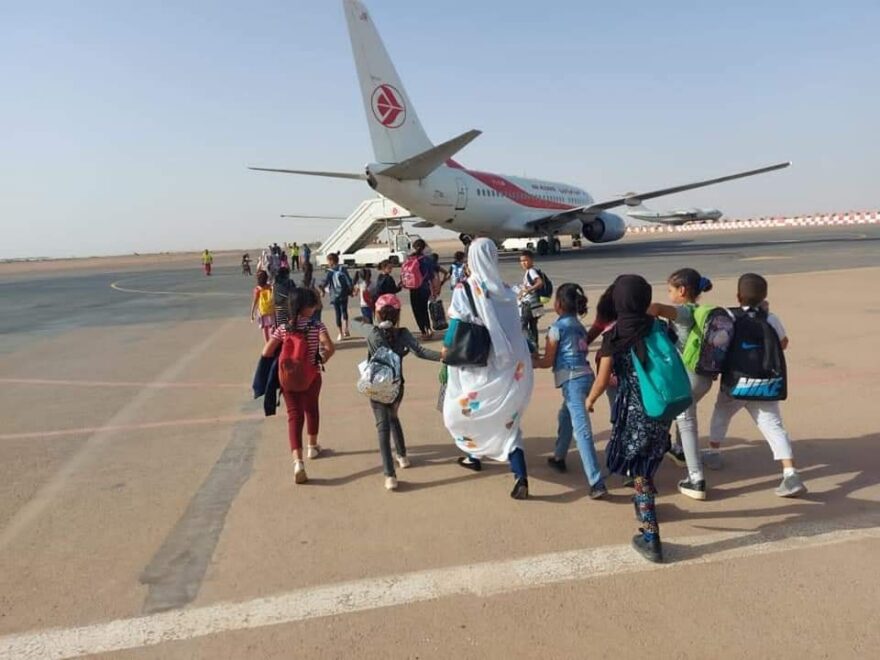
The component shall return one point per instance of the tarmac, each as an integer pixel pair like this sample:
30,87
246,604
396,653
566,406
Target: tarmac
147,508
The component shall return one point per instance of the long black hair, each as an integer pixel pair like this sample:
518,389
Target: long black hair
605,307
571,299
691,281
300,298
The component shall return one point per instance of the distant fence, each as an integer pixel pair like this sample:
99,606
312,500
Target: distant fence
850,218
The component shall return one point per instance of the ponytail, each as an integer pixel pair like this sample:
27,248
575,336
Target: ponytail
572,299
691,281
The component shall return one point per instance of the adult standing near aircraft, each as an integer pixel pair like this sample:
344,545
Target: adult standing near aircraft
305,255
207,261
484,406
416,274
294,256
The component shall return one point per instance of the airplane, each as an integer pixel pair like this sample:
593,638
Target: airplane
674,216
424,178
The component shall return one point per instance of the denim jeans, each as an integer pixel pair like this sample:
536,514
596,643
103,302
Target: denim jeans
574,419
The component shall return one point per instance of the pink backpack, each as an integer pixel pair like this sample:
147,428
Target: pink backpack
411,273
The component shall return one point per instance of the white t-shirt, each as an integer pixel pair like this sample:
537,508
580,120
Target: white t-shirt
529,278
775,323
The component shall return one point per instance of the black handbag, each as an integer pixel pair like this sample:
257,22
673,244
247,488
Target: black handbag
467,344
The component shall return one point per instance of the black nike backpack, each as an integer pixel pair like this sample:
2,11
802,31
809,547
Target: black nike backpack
754,368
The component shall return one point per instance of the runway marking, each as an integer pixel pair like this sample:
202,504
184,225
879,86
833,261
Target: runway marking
115,285
35,506
481,580
113,383
206,421
765,258
175,573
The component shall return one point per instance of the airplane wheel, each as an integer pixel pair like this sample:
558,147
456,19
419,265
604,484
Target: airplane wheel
557,246
543,247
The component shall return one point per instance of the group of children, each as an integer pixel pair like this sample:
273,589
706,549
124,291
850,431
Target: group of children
627,320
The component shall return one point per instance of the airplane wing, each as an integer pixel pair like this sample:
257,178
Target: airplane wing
332,175
550,222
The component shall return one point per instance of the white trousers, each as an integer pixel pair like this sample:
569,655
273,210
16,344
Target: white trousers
687,425
766,415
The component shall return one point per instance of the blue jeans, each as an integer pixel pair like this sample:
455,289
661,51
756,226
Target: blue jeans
340,306
573,419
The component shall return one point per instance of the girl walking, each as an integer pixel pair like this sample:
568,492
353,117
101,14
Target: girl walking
263,305
684,288
566,351
303,406
362,283
638,442
400,340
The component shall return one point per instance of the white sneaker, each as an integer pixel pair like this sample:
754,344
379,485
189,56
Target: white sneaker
339,337
390,483
403,461
313,451
299,472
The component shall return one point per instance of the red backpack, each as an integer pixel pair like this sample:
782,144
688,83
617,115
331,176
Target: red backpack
411,273
296,372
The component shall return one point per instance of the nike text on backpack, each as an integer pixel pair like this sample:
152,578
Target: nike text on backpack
380,376
663,379
706,346
546,291
296,372
755,367
411,273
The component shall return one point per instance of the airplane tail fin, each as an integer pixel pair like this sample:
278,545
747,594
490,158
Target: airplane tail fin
395,129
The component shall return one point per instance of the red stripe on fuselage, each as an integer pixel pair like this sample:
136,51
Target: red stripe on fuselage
510,190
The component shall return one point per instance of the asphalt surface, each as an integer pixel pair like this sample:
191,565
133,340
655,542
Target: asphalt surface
144,495
39,305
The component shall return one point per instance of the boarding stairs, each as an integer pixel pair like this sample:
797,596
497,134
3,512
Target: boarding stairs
364,225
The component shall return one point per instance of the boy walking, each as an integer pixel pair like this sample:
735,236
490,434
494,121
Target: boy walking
530,296
759,395
339,286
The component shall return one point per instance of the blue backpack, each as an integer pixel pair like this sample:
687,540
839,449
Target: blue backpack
663,379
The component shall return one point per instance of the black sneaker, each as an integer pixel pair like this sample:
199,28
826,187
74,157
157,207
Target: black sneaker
652,549
676,453
557,464
693,489
520,489
470,463
598,491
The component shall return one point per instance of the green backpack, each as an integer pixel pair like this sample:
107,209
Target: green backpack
694,343
666,389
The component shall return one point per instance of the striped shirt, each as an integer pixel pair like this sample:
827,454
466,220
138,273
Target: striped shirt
313,329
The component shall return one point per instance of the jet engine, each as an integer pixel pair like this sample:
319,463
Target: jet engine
605,228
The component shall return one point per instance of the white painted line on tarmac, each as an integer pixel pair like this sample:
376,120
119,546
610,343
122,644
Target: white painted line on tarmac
35,506
121,383
222,294
143,426
481,580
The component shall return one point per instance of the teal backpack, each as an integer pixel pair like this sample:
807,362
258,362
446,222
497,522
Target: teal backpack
663,379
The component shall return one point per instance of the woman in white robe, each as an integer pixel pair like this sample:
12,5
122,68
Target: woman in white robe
484,406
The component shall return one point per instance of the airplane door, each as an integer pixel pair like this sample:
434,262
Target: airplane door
461,200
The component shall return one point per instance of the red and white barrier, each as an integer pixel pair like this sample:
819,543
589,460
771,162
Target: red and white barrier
818,220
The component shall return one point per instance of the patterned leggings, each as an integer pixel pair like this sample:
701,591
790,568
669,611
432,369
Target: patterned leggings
644,501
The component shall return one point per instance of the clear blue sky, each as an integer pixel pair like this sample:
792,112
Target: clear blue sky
127,125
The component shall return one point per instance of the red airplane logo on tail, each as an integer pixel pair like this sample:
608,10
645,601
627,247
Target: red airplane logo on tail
388,106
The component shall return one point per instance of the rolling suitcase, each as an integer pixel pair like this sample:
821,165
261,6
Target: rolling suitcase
438,314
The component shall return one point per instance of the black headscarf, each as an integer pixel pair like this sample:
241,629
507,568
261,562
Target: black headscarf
631,297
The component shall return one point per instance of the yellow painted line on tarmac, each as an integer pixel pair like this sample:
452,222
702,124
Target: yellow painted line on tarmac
223,294
203,421
481,580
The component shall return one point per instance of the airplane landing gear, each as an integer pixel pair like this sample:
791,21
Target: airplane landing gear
549,246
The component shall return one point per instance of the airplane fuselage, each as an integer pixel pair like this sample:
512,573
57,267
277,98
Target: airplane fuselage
483,203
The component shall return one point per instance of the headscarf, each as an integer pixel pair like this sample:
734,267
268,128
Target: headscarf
490,290
631,297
